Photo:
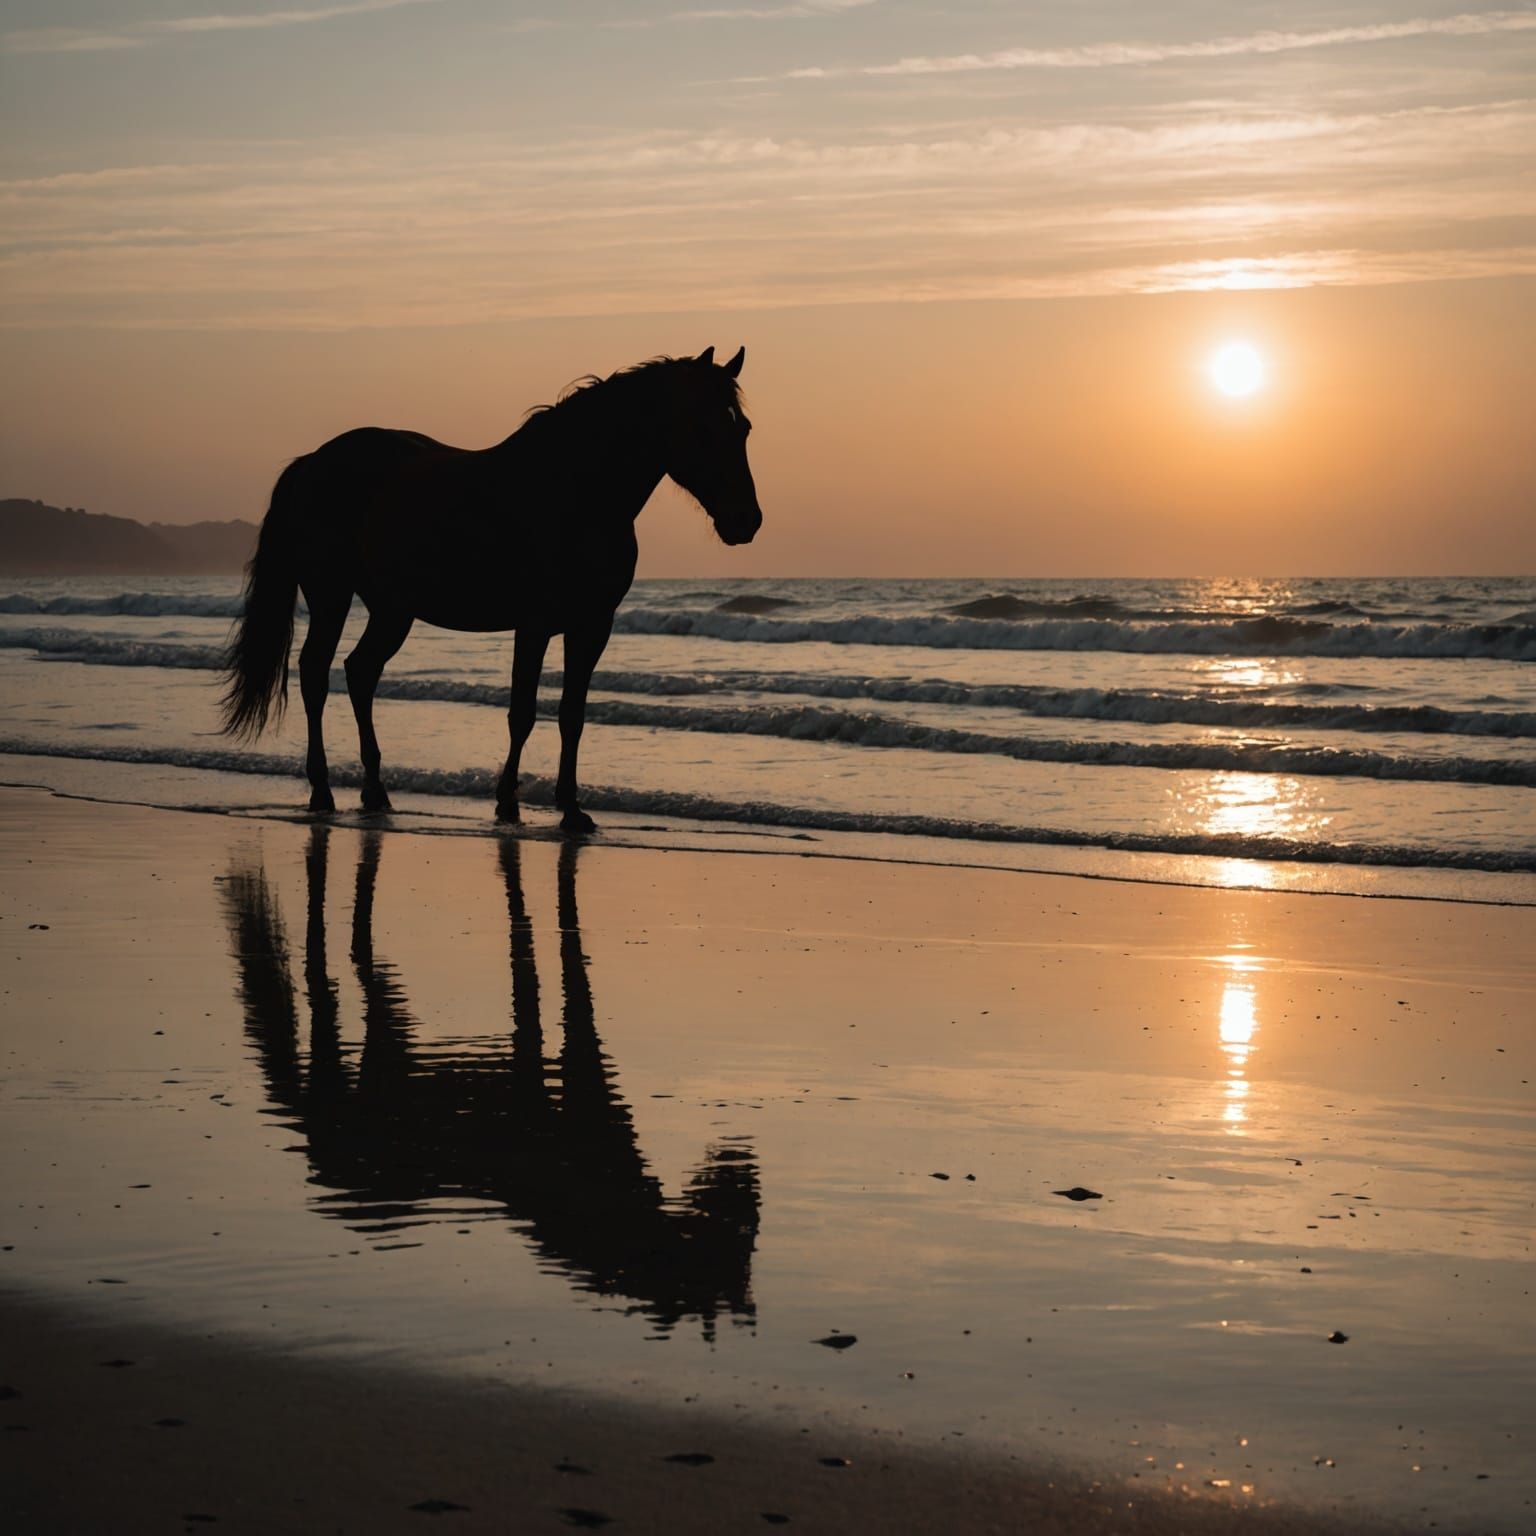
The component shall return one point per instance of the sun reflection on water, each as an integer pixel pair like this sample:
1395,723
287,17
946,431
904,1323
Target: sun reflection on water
1241,806
1238,1026
1247,807
1263,673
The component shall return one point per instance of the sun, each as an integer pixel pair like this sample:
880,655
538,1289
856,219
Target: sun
1237,369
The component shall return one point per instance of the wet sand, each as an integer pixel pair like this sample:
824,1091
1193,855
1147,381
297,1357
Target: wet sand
410,1168
131,1428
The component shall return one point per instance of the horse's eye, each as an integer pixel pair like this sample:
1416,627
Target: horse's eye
730,412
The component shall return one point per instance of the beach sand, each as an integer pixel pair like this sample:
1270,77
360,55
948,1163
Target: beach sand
417,1171
264,1442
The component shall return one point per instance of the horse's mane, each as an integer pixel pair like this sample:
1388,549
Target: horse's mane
591,390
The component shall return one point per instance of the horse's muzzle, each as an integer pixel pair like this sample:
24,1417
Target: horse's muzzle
740,530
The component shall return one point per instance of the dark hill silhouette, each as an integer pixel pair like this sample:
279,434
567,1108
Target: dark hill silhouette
39,540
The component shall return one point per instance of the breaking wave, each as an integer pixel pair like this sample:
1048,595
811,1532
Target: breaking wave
480,783
1004,624
750,603
1266,636
1094,605
813,723
1004,605
111,650
197,605
1128,705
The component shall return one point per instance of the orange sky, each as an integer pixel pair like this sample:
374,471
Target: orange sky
978,257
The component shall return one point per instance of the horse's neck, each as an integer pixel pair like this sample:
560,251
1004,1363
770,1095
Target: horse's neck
612,459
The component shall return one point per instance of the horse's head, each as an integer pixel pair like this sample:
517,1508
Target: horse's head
707,451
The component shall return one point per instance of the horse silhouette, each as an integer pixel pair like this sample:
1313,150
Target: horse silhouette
403,1137
535,534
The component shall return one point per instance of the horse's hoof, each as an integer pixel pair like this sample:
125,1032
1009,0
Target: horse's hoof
507,810
577,822
321,802
376,800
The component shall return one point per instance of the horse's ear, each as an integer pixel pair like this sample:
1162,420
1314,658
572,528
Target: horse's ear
733,367
706,357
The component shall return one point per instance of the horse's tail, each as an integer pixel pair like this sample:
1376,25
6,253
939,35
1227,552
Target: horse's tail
256,662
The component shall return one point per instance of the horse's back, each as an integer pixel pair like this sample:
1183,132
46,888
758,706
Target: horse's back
370,437
437,532
430,530
381,474
381,447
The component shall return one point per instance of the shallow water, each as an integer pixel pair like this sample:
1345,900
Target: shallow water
653,1125
1380,724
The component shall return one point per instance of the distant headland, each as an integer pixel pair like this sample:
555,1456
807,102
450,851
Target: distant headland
39,540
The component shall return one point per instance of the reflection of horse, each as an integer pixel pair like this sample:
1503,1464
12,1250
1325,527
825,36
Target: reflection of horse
405,1135
536,534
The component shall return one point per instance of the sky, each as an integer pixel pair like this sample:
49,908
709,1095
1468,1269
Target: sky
980,255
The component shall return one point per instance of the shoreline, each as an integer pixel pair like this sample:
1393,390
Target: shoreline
422,814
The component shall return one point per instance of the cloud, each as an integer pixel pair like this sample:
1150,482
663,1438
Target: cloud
461,228
771,12
790,11
1108,55
138,34
67,40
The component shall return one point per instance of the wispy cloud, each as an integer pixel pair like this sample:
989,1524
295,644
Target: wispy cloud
1415,165
804,8
140,34
1109,55
790,11
463,228
67,40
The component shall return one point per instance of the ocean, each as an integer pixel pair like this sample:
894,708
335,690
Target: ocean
1344,734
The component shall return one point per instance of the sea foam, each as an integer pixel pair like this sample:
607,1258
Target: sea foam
480,784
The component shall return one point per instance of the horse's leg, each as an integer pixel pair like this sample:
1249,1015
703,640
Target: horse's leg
327,616
527,665
327,1077
384,636
583,648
